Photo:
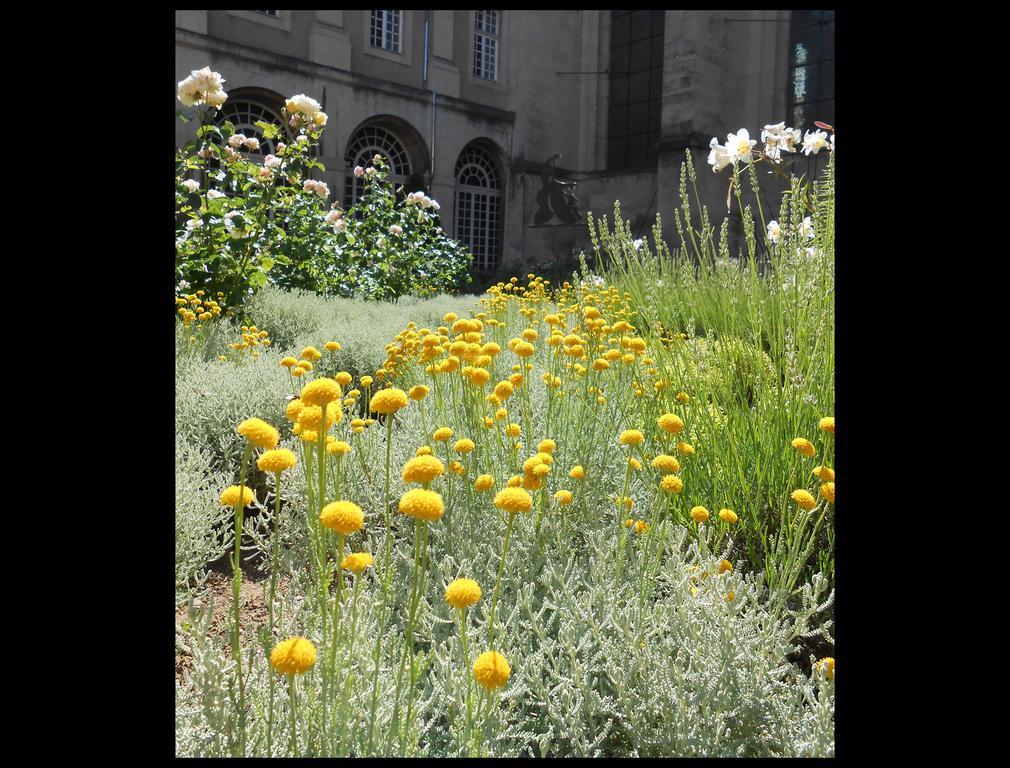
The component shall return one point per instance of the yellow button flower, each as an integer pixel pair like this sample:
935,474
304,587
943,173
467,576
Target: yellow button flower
803,498
804,446
728,516
357,562
462,593
422,469
671,423
259,433
699,514
343,517
234,495
294,656
491,670
388,400
422,504
276,460
513,500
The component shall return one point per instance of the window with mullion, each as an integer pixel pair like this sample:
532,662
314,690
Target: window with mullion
386,30
636,72
485,45
811,68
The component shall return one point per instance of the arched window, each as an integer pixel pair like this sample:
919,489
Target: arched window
244,113
477,205
368,141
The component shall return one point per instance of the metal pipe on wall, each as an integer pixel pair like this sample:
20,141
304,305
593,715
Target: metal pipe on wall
434,107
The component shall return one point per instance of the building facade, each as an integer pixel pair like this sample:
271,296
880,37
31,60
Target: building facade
507,118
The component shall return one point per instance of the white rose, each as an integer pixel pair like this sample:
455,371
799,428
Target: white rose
396,229
371,171
216,98
214,194
252,144
359,171
191,185
187,92
236,140
339,225
206,80
194,224
303,104
271,161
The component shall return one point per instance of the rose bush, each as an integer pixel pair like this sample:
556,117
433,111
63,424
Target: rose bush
241,223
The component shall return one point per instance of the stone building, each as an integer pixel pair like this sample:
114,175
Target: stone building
482,109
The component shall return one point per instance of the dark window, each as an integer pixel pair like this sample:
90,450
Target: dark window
636,88
811,94
486,37
477,206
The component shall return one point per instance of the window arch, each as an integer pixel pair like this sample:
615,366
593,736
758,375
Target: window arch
244,111
477,205
368,141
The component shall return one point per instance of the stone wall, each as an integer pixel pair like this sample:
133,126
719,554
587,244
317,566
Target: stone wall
722,70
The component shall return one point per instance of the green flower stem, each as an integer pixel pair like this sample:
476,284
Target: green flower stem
324,572
387,564
350,669
236,586
294,737
377,654
270,606
501,569
461,612
336,609
413,671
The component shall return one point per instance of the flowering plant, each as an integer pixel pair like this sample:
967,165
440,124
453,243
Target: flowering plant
387,245
242,222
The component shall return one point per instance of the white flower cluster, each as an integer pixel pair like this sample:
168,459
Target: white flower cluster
191,185
775,230
238,141
319,187
335,218
237,232
776,138
202,87
305,109
421,199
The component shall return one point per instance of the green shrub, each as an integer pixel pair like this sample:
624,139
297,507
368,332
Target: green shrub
297,319
240,224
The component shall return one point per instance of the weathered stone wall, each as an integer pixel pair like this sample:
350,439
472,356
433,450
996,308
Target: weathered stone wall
722,70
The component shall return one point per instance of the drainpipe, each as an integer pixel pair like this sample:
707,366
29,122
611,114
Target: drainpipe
434,107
